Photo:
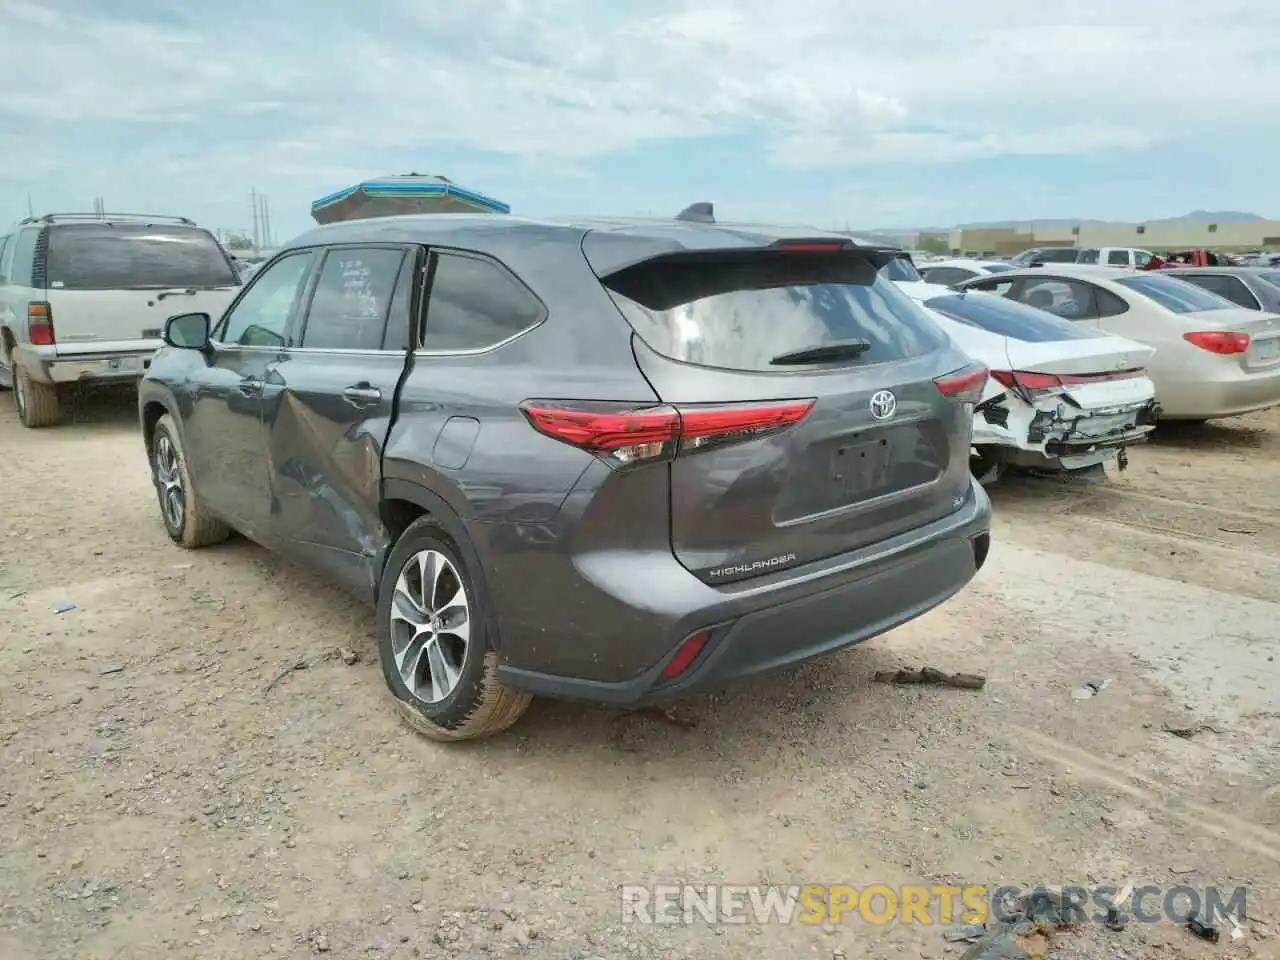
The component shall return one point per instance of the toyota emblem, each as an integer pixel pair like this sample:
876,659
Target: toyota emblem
883,404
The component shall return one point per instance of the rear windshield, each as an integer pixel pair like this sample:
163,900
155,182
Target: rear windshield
738,313
902,270
1008,318
103,256
997,267
1177,296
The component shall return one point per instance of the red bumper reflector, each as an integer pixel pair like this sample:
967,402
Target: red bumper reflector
685,656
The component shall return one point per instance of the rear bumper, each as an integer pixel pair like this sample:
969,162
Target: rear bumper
65,365
1243,393
862,595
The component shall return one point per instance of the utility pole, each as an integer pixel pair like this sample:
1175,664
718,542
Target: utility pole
257,236
266,219
31,211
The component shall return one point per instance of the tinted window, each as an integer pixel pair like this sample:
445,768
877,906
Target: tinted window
1229,288
103,256
24,255
349,308
1118,258
739,312
475,304
947,275
261,318
1001,288
1176,296
1108,304
997,267
1008,318
1069,299
902,270
1088,256
1060,255
399,322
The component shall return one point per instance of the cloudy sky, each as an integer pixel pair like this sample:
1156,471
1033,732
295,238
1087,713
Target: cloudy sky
826,112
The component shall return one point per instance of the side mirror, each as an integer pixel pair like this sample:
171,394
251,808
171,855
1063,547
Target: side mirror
188,331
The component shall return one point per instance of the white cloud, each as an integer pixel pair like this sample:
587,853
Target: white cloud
303,97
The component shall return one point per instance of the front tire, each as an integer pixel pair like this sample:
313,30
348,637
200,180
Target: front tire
186,518
437,657
37,402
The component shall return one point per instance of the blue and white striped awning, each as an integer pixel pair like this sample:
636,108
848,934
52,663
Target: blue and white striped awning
395,196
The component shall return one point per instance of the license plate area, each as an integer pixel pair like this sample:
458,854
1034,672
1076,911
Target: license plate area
863,467
1265,352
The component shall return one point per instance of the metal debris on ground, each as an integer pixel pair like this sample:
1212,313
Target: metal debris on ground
964,932
64,608
931,677
1186,733
110,668
1204,927
1091,689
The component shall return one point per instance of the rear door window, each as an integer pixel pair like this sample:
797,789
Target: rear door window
1008,318
1117,258
739,312
1068,299
352,298
107,256
22,262
475,304
1087,256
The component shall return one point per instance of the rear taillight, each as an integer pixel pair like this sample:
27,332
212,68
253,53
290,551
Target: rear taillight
965,384
624,434
1218,341
40,324
1030,382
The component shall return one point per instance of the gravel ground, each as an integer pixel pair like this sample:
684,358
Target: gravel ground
158,800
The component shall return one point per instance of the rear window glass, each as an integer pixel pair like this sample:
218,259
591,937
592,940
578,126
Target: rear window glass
739,313
1008,318
101,256
1271,276
1177,296
997,267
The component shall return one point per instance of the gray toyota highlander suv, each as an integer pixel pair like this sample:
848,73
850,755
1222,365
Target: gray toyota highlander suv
616,461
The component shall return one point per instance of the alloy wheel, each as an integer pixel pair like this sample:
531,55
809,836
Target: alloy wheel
430,626
173,501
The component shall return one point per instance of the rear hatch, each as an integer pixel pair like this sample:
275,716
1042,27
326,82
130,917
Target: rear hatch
818,396
111,285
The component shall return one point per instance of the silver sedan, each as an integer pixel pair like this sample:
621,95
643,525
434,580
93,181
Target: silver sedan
1213,358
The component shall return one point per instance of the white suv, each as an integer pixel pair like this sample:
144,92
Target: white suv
84,298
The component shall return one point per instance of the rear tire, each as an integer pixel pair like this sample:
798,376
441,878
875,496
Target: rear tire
433,641
186,518
37,402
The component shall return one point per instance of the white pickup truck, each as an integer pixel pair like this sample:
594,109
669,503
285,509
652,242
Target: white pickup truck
84,298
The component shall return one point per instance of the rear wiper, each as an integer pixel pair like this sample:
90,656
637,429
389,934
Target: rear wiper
836,350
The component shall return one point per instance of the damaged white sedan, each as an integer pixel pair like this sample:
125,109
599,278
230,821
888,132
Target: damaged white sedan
1058,397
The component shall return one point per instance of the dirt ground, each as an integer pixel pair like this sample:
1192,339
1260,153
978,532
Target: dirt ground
156,800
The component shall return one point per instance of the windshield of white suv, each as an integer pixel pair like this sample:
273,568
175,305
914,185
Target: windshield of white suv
1177,296
114,256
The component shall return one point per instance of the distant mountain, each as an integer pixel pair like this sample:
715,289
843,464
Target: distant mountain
1195,216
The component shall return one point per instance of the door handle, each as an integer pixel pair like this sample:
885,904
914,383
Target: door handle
250,386
362,393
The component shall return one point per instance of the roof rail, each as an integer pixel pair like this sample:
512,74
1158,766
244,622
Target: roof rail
134,217
701,212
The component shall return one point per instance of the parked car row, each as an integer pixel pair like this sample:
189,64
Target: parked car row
1203,343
